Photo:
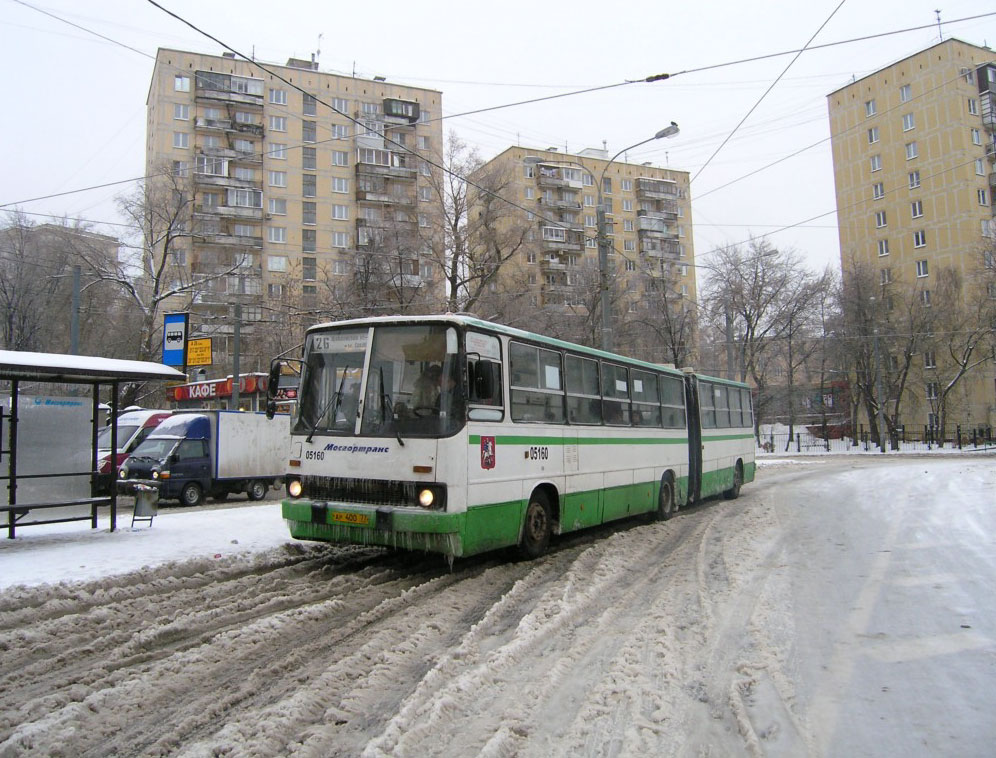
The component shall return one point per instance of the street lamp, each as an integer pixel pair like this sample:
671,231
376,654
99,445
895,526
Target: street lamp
603,239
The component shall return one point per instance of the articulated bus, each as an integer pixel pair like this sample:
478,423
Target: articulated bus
456,435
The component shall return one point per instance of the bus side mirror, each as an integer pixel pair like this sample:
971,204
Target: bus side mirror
485,382
271,409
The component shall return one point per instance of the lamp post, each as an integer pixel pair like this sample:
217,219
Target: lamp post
603,238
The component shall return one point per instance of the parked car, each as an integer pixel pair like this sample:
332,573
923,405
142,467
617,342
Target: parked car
133,427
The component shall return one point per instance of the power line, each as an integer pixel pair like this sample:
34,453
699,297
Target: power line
765,94
83,28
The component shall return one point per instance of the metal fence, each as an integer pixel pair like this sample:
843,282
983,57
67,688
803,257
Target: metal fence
804,441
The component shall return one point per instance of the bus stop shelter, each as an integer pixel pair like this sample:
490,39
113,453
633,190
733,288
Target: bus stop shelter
18,368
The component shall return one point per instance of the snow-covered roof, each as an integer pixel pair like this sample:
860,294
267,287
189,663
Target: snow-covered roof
55,367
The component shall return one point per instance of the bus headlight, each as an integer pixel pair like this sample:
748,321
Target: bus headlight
426,498
294,488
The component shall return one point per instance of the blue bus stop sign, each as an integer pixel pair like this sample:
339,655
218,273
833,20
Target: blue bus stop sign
175,339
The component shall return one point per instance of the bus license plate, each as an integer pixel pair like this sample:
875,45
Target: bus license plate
353,519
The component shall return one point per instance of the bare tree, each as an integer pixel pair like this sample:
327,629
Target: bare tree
665,326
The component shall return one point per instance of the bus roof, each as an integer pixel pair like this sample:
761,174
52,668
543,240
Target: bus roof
511,331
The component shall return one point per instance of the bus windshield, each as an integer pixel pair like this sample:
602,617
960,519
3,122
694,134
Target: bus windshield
414,387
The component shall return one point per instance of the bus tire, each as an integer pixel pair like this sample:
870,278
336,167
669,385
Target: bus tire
256,489
537,527
665,499
738,479
191,494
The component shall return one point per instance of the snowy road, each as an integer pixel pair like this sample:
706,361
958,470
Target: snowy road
843,607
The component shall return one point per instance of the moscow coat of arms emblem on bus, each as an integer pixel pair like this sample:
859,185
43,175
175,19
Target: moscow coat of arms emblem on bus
487,452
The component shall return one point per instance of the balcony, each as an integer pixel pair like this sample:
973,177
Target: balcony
214,124
243,128
231,240
211,180
229,211
660,248
661,189
383,196
393,172
560,204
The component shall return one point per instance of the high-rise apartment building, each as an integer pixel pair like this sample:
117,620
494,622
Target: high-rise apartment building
913,167
304,190
648,225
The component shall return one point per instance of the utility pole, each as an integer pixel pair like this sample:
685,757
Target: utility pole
74,316
880,422
235,358
605,295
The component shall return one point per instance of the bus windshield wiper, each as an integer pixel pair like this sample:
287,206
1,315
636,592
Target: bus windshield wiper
388,407
331,404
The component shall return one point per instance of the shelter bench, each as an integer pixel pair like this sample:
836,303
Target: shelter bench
17,511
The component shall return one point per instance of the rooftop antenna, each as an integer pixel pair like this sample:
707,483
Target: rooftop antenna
939,32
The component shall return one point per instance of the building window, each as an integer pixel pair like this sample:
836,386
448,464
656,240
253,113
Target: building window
983,197
628,225
885,275
914,179
976,137
423,116
932,390
340,212
309,131
181,140
590,221
341,104
529,171
278,206
276,234
278,96
309,240
920,238
278,178
908,122
905,94
873,135
878,191
423,142
980,168
181,83
870,109
276,263
278,151
245,198
973,106
876,163
278,123
309,158
181,112
181,168
309,214
921,269
309,268
340,267
630,247
309,105
929,359
911,151
425,194
424,169
340,185
916,207
880,219
340,131
340,239
883,247
309,185
969,75
340,158
423,220
627,205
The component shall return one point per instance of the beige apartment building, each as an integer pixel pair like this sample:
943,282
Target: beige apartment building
305,190
913,167
648,225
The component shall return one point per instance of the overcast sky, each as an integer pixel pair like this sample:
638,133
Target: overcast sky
76,103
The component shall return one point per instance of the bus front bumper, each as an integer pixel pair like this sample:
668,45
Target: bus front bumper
405,528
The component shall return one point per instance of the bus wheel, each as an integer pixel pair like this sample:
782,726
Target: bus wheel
738,480
665,500
537,528
191,494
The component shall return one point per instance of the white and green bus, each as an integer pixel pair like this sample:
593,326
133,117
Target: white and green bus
457,435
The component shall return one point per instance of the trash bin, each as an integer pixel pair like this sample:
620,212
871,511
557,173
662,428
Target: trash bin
146,503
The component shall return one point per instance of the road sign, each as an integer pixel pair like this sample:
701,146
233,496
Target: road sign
175,339
199,352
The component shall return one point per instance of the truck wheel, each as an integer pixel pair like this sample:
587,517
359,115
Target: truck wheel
191,494
257,490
